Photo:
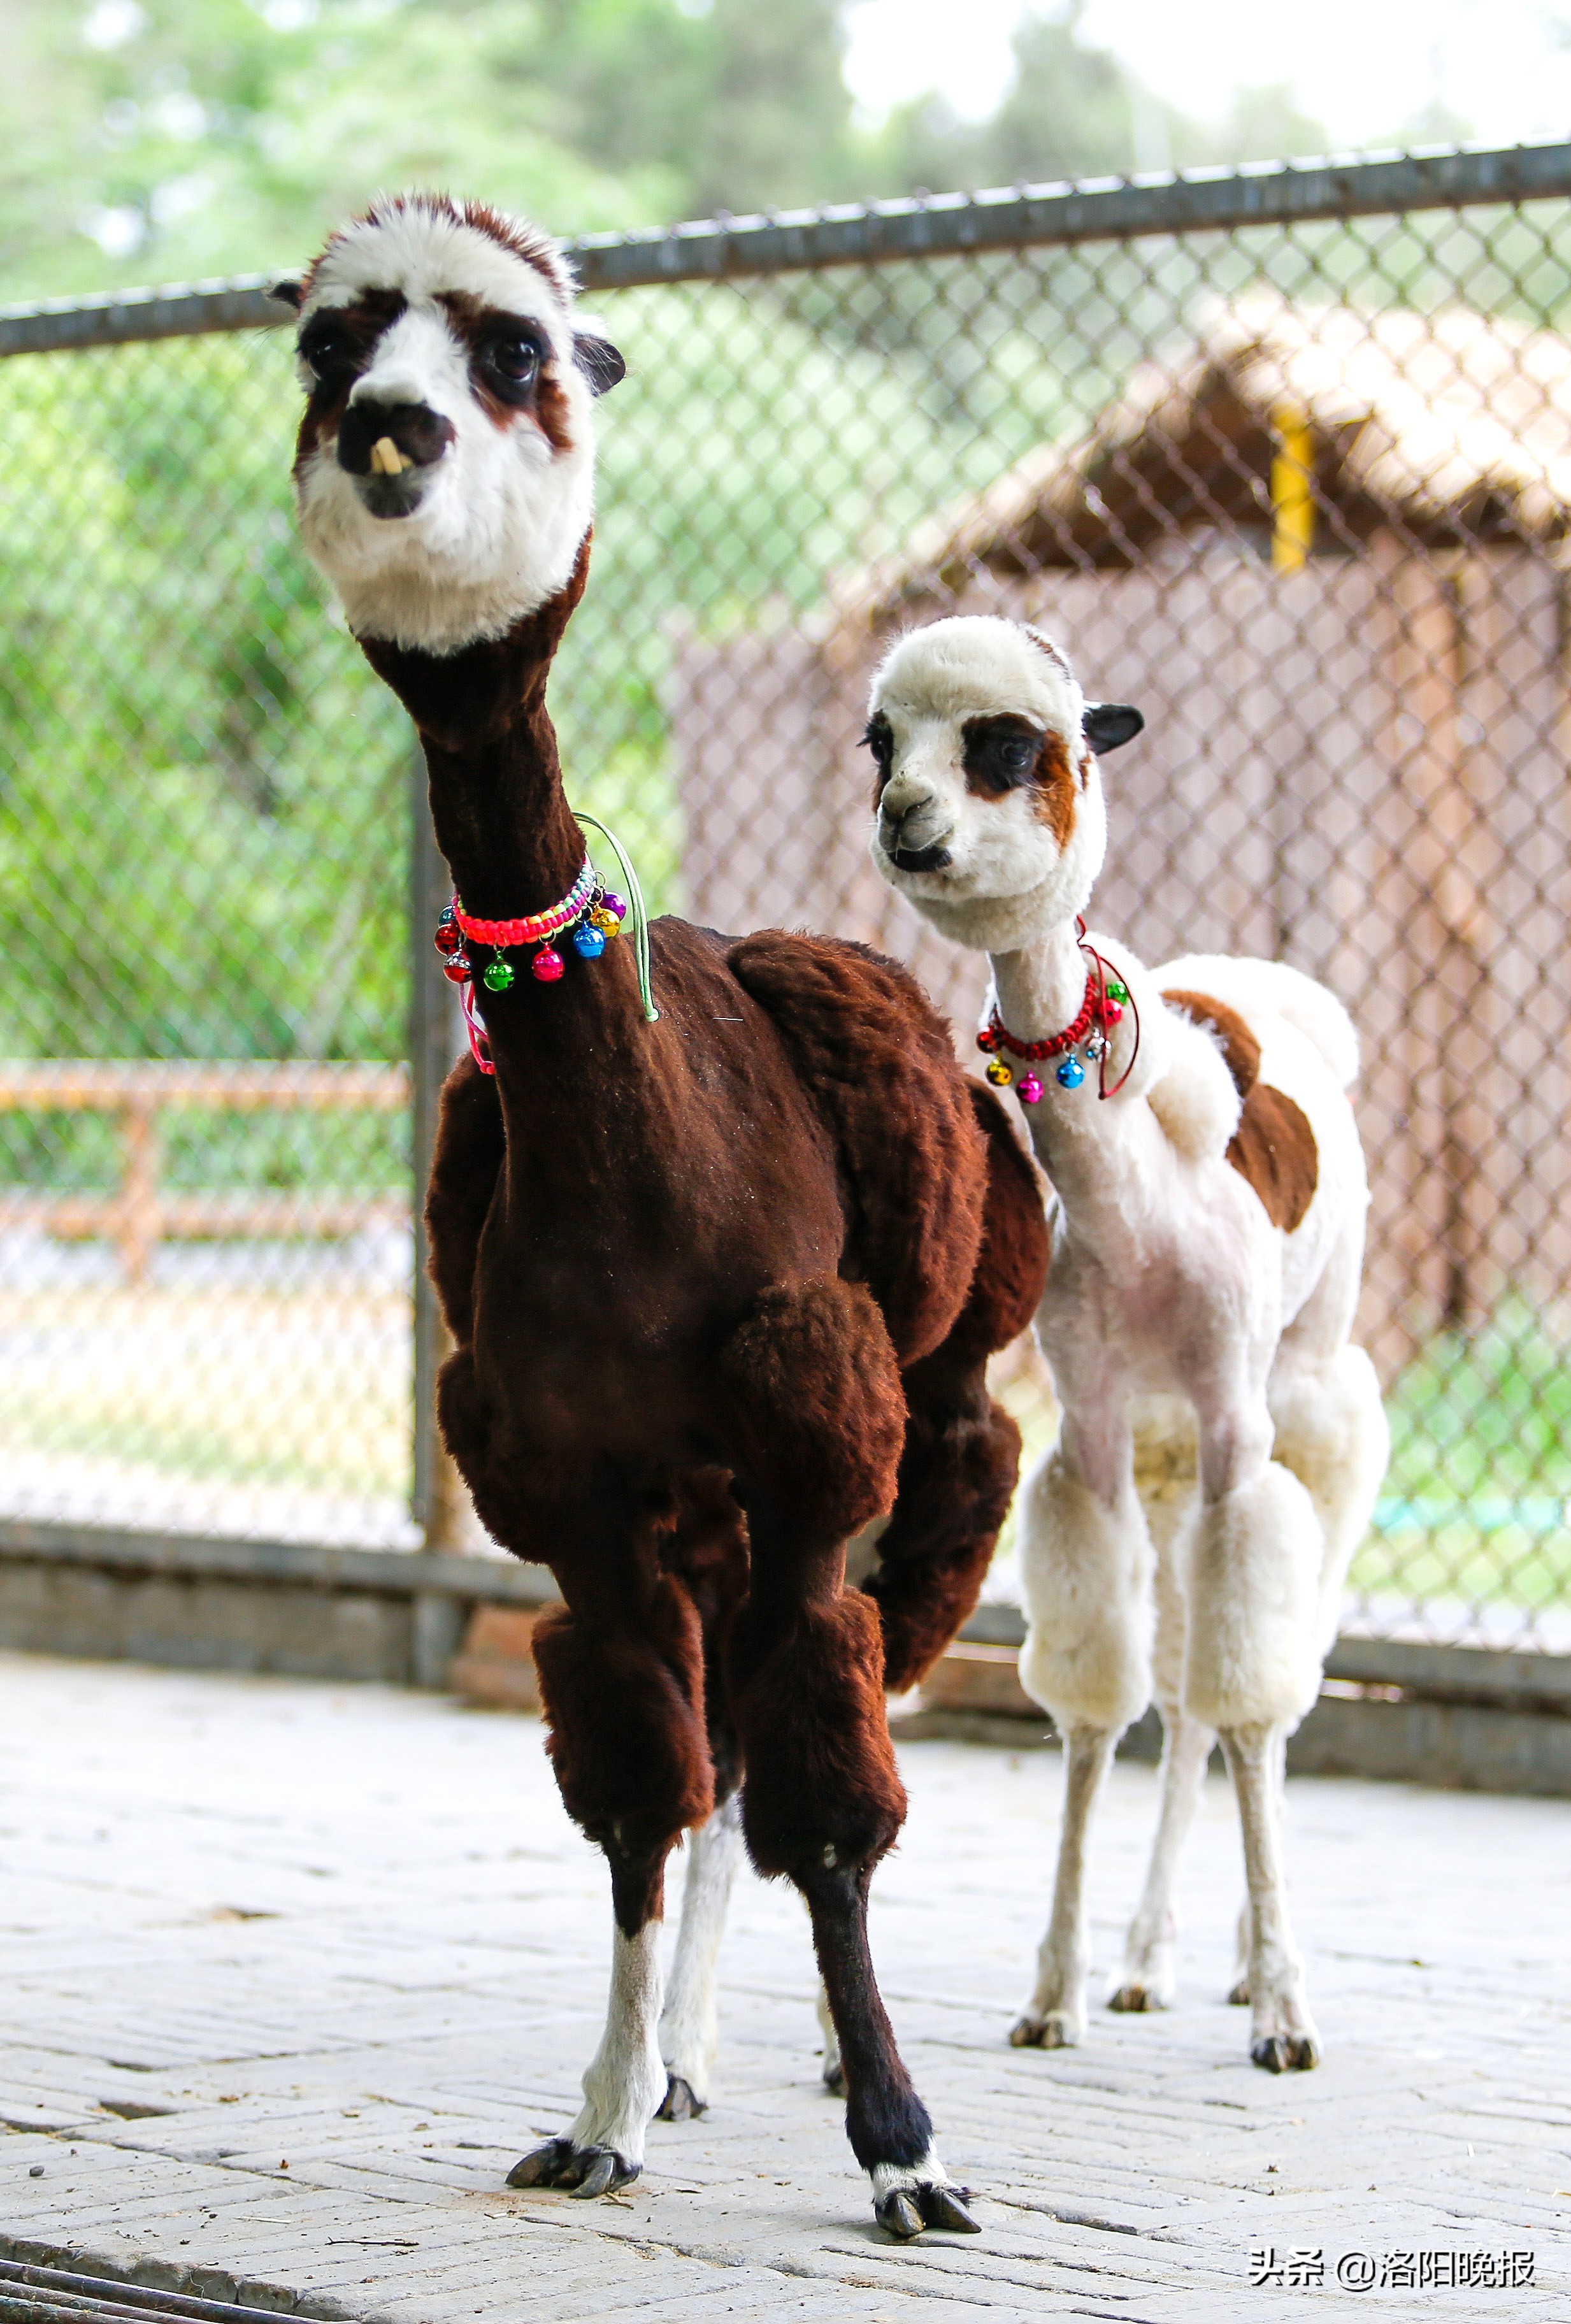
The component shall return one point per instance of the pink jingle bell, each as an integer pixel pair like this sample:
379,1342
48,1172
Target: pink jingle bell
546,964
1029,1090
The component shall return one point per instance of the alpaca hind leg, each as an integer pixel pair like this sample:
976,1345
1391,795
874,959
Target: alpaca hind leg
834,2071
1282,2035
1055,2016
1149,1976
689,2029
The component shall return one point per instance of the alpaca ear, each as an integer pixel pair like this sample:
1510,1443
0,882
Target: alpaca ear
287,293
1107,724
600,362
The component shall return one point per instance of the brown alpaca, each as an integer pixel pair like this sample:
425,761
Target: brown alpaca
713,1280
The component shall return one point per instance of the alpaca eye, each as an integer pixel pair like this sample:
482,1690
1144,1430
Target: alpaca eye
327,351
516,360
1015,754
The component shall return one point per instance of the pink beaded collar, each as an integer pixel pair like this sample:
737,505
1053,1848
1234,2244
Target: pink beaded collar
1103,1007
594,912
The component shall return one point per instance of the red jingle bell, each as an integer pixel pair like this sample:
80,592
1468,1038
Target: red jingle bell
457,969
1112,1012
448,938
547,965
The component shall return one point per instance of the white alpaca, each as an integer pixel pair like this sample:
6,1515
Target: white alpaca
1222,1444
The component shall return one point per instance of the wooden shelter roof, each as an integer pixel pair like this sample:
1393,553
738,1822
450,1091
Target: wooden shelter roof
1455,425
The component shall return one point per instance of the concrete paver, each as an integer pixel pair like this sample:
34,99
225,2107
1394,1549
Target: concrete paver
296,1971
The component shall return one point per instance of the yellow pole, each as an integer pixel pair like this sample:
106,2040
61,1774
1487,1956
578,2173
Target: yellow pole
1292,489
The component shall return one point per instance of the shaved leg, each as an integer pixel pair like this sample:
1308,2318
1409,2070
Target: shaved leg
1055,2017
689,2029
1149,1976
623,2083
1282,2032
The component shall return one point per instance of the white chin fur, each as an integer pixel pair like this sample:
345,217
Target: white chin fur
472,559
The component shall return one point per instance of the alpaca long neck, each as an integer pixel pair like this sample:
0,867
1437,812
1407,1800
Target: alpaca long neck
1041,987
1040,990
497,804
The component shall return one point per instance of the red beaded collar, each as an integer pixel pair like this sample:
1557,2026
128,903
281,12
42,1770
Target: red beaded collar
1102,1007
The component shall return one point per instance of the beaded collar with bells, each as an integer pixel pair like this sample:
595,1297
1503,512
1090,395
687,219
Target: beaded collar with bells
1106,998
590,914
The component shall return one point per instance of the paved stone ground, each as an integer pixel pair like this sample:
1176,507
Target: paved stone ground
296,1971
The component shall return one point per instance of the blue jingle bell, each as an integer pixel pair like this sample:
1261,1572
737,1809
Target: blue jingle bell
1071,1073
588,941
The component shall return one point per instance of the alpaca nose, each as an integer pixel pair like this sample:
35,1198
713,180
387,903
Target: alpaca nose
384,439
911,829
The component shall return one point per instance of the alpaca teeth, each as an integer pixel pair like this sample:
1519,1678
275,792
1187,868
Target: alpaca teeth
387,459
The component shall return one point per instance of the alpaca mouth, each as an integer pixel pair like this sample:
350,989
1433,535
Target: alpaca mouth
387,497
919,859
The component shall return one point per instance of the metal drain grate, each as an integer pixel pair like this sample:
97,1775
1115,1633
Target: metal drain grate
54,2295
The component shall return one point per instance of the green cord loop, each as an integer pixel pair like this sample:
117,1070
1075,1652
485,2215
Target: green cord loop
635,905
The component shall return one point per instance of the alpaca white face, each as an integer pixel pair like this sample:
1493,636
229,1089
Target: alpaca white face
989,813
444,473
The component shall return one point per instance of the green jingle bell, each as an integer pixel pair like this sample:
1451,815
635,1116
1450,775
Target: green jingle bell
1117,991
498,975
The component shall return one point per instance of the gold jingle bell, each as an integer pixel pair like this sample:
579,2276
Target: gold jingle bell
999,1073
606,922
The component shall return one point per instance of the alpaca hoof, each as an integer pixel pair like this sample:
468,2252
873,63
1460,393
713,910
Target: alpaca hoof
1132,2000
835,2080
680,2103
604,2172
944,2207
541,2166
585,2170
1286,2053
1053,2032
898,2214
1238,1994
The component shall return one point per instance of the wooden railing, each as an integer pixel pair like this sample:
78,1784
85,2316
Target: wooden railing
140,1213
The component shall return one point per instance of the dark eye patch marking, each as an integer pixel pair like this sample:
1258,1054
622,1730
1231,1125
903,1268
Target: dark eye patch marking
510,365
337,345
1004,752
879,738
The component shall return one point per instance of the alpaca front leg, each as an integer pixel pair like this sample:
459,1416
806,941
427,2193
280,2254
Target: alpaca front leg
689,2029
1055,2017
1282,2032
623,2083
1148,1977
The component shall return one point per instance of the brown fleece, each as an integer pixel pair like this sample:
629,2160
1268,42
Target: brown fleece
467,1161
813,1394
1273,1146
875,1057
1239,1045
961,1456
810,1708
625,1707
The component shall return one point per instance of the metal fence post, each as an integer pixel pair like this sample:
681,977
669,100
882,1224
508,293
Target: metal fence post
436,1036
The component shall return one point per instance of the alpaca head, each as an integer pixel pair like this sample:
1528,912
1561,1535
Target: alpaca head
988,800
444,473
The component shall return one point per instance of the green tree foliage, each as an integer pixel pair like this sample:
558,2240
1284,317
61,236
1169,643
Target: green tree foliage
163,140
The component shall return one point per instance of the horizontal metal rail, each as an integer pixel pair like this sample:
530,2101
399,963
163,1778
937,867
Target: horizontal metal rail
937,225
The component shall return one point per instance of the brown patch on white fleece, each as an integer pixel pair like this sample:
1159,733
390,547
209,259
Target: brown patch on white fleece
1273,1146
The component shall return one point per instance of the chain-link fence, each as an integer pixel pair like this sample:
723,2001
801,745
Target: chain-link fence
1283,458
